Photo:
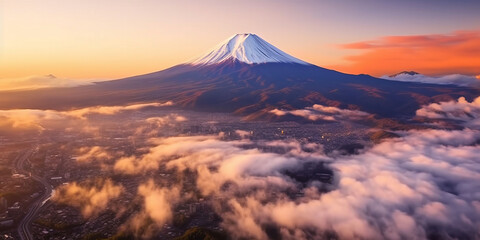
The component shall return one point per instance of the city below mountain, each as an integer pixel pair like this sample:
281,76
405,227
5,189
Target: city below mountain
252,138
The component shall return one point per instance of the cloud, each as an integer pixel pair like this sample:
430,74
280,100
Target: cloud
157,204
424,183
435,54
243,133
110,110
158,201
199,153
457,79
93,154
27,119
34,119
162,121
155,126
462,110
319,112
95,196
91,197
35,82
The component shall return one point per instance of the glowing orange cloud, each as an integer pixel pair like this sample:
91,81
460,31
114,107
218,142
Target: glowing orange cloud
434,54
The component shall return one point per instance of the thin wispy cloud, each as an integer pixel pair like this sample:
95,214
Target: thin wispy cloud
36,82
33,118
110,110
93,154
326,113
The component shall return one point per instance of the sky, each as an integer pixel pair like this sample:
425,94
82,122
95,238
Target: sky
113,39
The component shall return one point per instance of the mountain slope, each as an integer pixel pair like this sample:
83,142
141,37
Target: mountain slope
225,80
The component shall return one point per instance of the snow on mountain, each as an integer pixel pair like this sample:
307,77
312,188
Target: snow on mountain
456,79
247,48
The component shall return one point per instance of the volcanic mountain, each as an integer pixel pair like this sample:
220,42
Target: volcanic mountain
246,75
408,73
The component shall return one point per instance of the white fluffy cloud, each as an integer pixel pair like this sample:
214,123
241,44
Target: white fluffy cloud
158,201
157,204
91,197
319,112
201,152
165,120
110,110
157,125
423,183
27,119
426,182
33,118
462,110
86,154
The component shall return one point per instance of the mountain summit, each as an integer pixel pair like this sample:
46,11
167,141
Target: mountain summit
248,76
246,48
405,73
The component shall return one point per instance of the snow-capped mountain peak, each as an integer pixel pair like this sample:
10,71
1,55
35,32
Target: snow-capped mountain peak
247,48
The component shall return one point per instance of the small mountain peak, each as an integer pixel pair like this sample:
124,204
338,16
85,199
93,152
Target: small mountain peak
50,76
411,73
247,48
244,34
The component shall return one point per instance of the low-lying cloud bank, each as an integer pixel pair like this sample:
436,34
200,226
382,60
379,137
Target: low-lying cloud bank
27,119
456,79
319,112
461,110
154,126
110,110
35,82
32,119
424,184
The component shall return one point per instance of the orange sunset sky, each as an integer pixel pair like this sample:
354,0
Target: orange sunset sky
113,39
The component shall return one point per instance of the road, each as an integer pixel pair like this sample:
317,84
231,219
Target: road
24,225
